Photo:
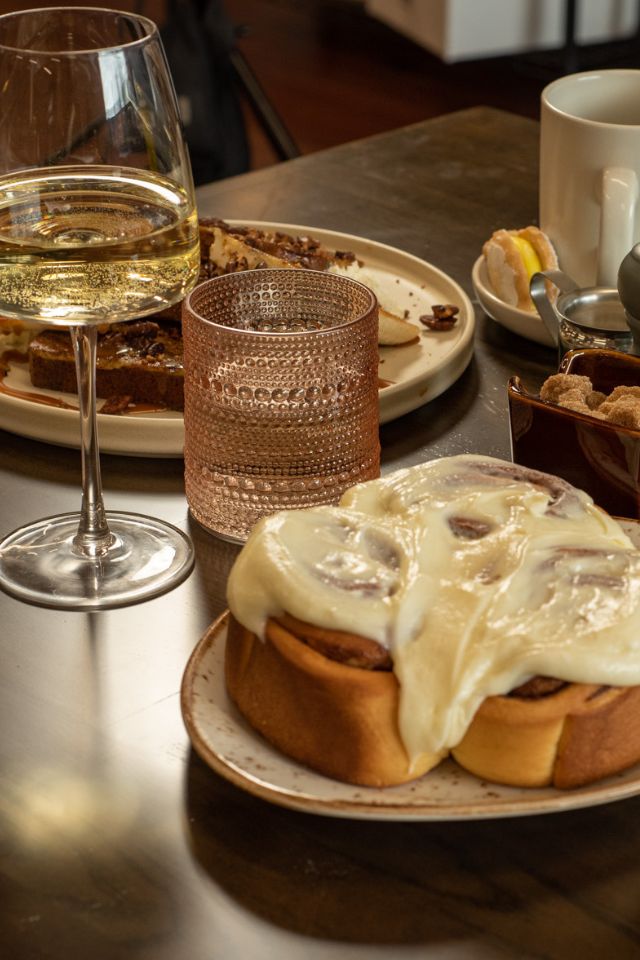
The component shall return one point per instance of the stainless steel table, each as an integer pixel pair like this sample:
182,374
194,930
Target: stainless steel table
116,841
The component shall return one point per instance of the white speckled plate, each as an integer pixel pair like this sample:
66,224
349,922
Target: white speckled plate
526,323
227,744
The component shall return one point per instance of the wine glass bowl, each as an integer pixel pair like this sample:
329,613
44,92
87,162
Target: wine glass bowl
97,225
88,244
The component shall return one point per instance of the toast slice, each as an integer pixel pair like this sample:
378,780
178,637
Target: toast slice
138,362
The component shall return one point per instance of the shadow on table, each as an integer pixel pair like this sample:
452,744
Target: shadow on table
214,559
534,886
515,354
429,425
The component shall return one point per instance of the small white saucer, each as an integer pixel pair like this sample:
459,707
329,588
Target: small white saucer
523,322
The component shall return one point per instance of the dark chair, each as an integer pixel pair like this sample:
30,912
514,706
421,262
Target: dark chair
211,77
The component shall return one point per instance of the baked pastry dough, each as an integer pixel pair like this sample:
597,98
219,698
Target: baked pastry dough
512,257
342,720
337,719
576,735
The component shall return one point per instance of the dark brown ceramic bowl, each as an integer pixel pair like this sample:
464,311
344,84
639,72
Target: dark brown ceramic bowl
601,458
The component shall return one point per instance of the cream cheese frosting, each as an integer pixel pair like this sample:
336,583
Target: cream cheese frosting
475,573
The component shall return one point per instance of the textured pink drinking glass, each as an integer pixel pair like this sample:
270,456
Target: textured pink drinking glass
281,394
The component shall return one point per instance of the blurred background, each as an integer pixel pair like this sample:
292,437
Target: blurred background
338,70
264,80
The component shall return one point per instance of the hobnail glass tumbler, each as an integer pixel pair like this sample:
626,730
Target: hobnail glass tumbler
281,394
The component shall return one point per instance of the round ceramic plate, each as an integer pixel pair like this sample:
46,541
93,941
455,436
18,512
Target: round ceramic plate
526,324
417,373
233,749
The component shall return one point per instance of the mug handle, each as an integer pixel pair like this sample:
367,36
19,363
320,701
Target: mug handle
617,218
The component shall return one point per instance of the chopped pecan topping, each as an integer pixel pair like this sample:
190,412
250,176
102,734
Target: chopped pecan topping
208,269
302,251
345,256
140,328
236,265
444,317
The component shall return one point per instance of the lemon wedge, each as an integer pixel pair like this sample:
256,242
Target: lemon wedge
529,256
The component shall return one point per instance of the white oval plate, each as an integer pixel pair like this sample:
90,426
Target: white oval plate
420,371
224,740
522,322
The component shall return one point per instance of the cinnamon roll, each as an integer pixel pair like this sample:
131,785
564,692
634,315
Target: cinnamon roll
466,606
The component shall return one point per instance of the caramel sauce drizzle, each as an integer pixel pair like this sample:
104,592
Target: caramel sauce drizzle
17,356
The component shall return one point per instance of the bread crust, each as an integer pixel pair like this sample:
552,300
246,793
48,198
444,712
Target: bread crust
576,736
505,267
337,719
341,720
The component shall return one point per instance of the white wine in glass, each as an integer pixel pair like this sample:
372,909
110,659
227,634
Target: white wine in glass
97,225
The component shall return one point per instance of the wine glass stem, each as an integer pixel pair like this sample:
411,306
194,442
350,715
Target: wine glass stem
93,538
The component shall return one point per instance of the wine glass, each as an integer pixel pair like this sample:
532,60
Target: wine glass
97,225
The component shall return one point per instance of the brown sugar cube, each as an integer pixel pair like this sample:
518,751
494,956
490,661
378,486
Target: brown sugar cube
576,404
560,383
594,399
575,400
623,391
625,411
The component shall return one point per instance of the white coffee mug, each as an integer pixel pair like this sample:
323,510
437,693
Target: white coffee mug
590,171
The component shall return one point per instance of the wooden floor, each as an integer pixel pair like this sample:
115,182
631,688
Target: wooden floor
336,74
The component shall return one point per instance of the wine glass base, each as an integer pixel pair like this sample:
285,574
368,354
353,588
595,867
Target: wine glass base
148,557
